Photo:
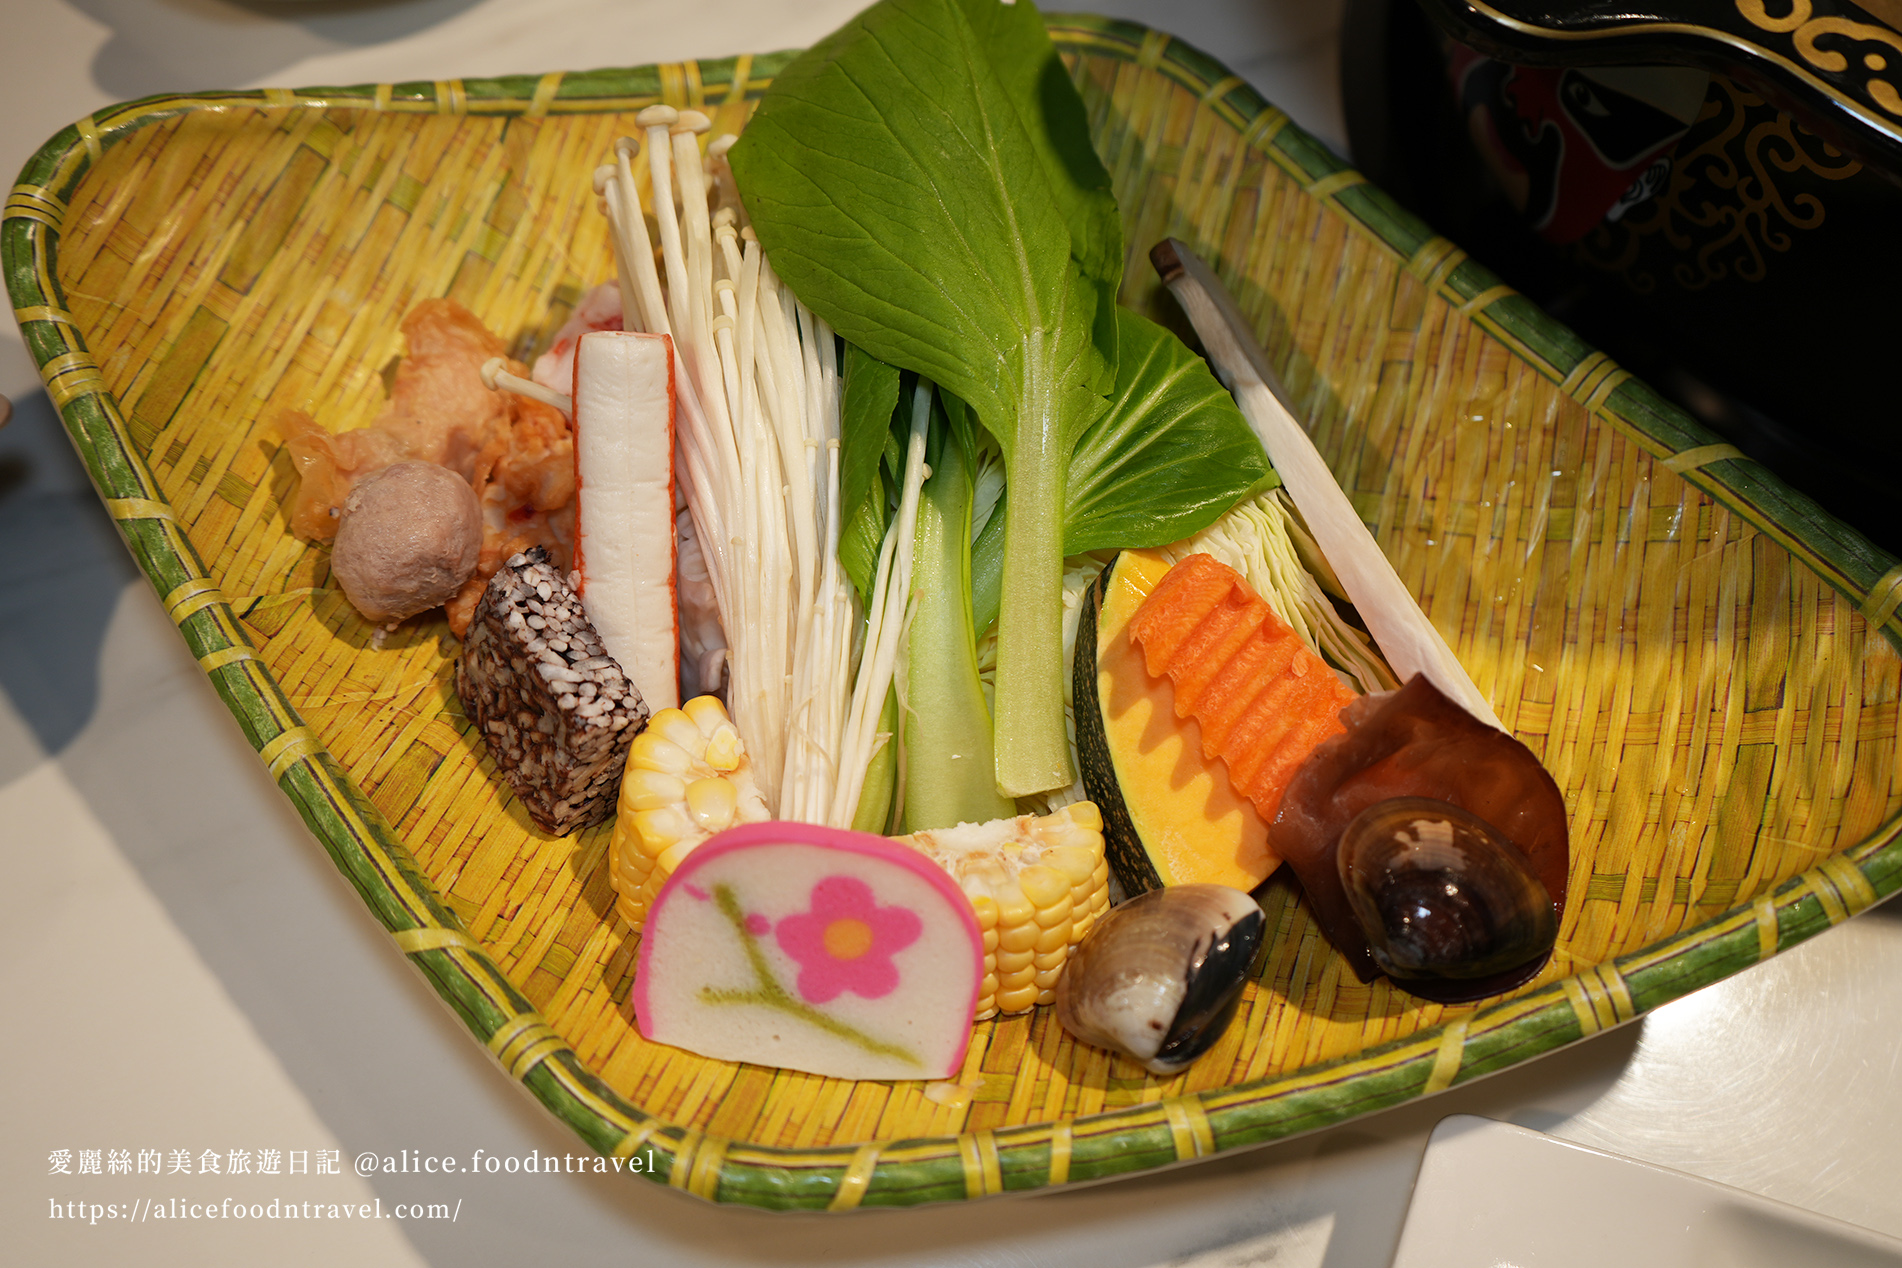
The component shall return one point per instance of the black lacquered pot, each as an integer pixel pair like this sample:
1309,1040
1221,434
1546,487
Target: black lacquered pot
1710,190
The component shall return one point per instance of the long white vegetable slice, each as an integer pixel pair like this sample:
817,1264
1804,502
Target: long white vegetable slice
624,513
1400,629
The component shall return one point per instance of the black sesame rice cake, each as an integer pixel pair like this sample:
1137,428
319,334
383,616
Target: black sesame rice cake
554,708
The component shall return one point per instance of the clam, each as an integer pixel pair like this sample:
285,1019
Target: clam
1441,895
1159,977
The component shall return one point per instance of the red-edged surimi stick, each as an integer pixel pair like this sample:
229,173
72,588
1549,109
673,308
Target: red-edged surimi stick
624,505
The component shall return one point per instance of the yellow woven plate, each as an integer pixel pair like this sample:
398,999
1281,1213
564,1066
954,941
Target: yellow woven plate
1696,653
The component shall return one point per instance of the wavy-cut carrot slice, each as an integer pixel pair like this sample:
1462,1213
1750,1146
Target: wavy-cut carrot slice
1263,698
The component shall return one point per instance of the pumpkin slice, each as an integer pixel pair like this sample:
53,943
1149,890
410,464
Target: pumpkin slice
1170,815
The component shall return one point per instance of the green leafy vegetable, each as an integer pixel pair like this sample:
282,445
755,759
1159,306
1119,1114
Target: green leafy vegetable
881,774
865,425
1168,458
923,180
898,190
1032,73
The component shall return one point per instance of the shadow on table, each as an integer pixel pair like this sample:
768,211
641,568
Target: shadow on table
164,45
61,574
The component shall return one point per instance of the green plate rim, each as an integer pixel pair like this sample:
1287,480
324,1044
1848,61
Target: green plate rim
366,849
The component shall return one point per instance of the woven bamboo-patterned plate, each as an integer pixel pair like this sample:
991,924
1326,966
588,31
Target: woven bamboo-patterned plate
1697,654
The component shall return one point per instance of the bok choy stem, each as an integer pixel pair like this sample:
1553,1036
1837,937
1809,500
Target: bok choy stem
1032,751
949,768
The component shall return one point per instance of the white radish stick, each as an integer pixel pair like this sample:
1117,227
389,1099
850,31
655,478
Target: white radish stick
1400,629
624,505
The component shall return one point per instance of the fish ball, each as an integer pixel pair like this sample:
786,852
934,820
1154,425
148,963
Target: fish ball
408,538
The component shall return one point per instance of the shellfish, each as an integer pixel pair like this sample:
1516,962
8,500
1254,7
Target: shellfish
1414,742
1159,977
1446,901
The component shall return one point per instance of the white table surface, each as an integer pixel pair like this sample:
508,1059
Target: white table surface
185,971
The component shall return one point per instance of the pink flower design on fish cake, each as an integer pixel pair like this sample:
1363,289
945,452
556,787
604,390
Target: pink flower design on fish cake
846,941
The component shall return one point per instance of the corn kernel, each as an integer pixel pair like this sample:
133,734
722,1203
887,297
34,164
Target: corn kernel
1018,1000
1009,962
657,752
1075,862
673,797
1017,938
650,790
671,858
707,713
1055,938
677,729
661,828
724,750
1036,886
1057,915
1014,910
712,802
1085,815
1045,887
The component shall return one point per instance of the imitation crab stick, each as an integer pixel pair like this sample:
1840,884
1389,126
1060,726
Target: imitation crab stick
1263,700
624,513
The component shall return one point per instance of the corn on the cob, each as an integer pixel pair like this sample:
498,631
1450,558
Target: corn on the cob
687,778
1037,886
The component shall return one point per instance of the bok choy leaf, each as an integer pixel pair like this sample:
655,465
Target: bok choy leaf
923,180
1168,458
866,448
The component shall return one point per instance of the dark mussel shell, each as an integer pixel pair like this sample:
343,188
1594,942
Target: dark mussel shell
1446,901
1159,977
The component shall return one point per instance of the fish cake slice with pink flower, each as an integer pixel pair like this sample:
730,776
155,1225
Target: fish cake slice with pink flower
790,944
